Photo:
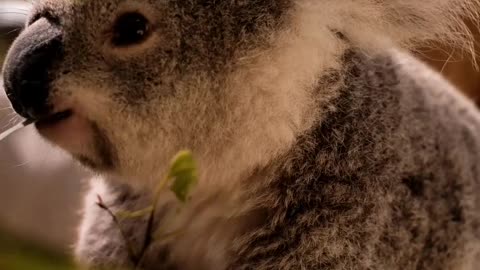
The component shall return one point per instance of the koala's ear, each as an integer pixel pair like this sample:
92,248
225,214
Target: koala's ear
410,22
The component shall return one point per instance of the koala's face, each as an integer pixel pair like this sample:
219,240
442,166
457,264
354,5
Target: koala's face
124,84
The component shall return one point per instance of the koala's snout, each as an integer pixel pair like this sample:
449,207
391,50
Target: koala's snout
27,69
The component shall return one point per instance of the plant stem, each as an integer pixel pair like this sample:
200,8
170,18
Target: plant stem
130,250
149,232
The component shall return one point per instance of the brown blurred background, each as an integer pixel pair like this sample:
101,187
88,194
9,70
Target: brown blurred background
457,66
40,188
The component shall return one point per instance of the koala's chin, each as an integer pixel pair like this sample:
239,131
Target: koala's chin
81,138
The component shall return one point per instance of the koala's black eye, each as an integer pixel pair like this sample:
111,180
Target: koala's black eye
130,29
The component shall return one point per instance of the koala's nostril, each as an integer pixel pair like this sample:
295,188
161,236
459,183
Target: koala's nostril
33,101
28,66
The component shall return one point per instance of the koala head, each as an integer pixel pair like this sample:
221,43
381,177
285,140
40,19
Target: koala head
123,85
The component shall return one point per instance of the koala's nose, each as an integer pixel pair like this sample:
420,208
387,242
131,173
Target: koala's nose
27,69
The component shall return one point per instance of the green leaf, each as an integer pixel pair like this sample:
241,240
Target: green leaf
134,214
183,171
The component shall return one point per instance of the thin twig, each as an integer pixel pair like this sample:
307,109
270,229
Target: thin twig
131,252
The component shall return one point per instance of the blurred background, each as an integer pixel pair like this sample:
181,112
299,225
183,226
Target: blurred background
41,188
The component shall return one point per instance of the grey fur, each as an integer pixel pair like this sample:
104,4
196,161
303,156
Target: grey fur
364,159
377,184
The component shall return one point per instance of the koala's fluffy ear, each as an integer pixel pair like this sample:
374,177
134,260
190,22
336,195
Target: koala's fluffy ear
433,19
408,22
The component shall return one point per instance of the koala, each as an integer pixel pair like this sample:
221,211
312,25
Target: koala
321,141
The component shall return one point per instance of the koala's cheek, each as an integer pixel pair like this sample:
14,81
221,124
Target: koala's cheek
73,134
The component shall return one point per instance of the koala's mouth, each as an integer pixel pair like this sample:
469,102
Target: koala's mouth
54,118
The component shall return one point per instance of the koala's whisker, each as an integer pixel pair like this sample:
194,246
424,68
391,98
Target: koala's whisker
13,12
15,128
10,122
12,31
22,164
16,8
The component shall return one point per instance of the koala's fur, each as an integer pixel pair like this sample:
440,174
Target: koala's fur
321,144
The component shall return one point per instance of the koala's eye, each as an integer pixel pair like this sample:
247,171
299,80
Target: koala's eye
130,29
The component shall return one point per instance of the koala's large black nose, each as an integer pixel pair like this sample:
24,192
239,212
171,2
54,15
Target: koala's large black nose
27,69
